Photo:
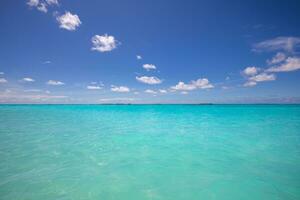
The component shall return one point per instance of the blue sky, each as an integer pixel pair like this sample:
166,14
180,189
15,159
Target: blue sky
135,51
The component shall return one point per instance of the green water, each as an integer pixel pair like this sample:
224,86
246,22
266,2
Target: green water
136,152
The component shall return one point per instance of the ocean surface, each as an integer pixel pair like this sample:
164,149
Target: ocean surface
136,152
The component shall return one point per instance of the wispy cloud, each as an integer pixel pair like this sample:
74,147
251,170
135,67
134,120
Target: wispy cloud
33,90
68,21
27,79
33,2
252,80
56,83
104,43
250,71
288,44
47,62
52,2
41,5
149,80
263,77
163,91
290,64
184,92
279,57
3,80
21,97
250,84
139,57
1,73
201,83
120,89
149,67
281,62
93,87
150,91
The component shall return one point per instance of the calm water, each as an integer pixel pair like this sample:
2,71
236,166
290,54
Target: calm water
167,152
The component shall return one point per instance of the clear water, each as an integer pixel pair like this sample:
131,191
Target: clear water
138,152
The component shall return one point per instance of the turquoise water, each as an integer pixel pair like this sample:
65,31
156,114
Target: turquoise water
136,152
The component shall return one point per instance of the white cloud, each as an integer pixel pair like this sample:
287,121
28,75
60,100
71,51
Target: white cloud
47,62
149,80
254,77
163,91
279,57
104,43
225,87
68,21
33,90
150,91
263,77
139,57
288,44
290,64
201,83
52,82
149,66
120,89
260,78
184,92
27,79
41,5
250,71
100,84
3,80
52,2
33,3
1,73
250,84
182,86
93,87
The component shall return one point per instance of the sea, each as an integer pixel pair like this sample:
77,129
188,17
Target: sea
137,152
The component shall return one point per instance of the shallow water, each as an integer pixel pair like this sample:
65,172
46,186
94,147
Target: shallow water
135,152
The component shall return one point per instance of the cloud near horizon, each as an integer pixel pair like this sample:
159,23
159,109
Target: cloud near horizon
93,87
262,77
27,79
150,91
56,83
151,80
120,89
3,80
201,83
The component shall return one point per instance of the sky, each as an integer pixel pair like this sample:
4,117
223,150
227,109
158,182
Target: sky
149,51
